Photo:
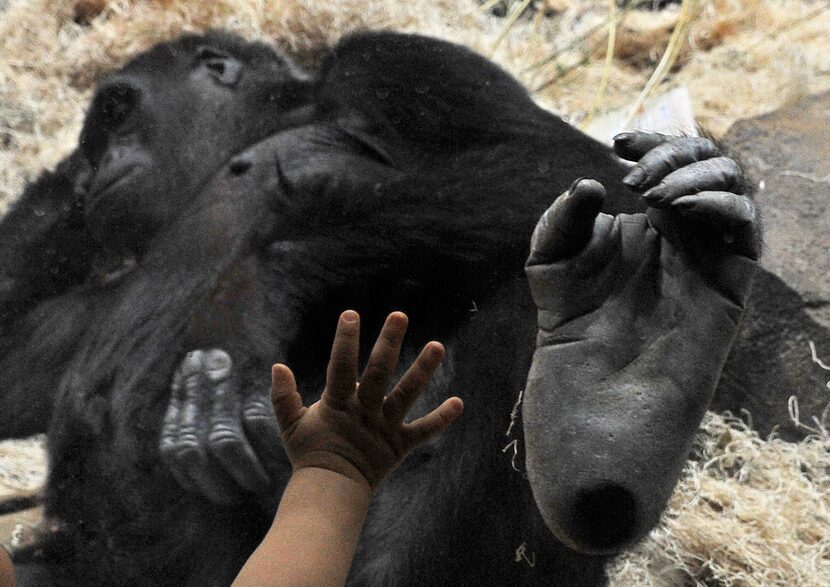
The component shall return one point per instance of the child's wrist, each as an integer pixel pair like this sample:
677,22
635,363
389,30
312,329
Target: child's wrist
348,463
345,475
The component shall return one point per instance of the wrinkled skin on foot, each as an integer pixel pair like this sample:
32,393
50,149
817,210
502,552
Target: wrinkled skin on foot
636,315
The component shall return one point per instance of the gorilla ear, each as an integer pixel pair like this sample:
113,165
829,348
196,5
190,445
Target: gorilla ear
222,66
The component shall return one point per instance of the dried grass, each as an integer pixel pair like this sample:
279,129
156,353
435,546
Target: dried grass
745,56
22,466
748,511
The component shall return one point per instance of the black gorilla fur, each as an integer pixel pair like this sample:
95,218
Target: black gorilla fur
407,173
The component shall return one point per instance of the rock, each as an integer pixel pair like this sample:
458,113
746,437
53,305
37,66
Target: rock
788,318
788,153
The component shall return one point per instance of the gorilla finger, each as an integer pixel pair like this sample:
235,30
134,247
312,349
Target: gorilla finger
208,478
187,461
170,424
418,432
193,420
191,364
263,434
217,364
181,477
413,382
169,442
230,447
341,374
226,440
285,400
188,455
567,226
747,240
722,209
733,215
382,361
665,158
717,174
632,145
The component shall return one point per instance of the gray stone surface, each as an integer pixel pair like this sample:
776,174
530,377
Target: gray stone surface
788,153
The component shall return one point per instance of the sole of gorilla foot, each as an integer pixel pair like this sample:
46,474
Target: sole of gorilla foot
633,334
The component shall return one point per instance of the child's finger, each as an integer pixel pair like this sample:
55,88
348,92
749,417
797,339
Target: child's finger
382,361
424,428
341,374
288,405
413,382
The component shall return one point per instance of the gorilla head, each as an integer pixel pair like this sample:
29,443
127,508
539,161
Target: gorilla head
157,129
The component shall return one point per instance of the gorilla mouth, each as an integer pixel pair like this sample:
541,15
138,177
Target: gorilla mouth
107,182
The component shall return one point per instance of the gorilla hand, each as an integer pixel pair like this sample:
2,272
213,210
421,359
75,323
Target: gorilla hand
216,439
637,314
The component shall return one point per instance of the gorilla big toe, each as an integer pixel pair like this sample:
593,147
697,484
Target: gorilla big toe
636,315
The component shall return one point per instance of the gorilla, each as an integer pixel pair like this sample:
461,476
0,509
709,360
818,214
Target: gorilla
224,206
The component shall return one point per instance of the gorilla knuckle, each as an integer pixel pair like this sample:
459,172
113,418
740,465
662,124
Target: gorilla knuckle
225,441
217,364
167,447
192,363
189,452
260,409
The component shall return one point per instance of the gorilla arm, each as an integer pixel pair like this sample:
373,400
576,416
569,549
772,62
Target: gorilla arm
44,251
44,247
219,436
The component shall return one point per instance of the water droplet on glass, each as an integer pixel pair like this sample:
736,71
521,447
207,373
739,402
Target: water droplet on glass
421,88
39,212
382,93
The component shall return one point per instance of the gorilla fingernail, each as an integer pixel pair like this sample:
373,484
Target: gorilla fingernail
654,196
623,137
575,184
240,165
635,177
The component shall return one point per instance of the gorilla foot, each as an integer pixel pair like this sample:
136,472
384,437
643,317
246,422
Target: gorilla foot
636,316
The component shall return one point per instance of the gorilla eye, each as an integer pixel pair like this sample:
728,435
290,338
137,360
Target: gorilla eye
221,66
115,104
216,66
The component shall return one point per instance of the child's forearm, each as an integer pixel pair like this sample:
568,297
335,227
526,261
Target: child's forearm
314,535
6,569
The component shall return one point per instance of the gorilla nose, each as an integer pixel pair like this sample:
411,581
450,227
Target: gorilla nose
116,101
603,519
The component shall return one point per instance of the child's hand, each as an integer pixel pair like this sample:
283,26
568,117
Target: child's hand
356,429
